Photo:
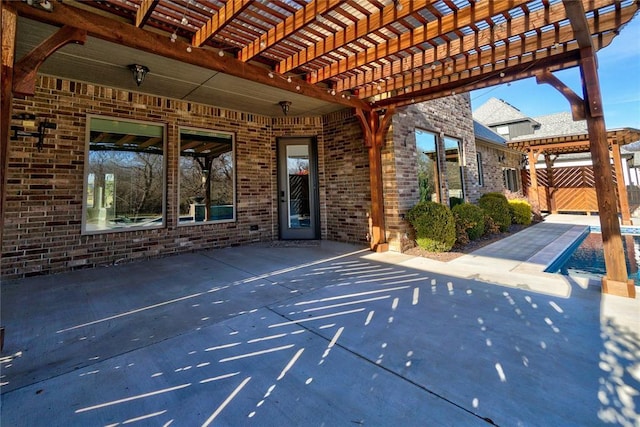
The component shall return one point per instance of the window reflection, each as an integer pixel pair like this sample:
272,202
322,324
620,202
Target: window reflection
207,177
454,170
427,150
124,184
299,188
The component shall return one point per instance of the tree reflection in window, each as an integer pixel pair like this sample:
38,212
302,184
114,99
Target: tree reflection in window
124,183
454,170
428,173
207,177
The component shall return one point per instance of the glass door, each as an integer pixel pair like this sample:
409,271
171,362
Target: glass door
297,189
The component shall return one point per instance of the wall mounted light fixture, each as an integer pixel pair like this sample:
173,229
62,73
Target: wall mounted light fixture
285,105
139,72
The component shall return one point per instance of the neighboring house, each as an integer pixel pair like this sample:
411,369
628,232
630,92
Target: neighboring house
499,166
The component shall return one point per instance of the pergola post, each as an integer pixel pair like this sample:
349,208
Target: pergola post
551,184
616,280
374,128
533,176
9,20
623,197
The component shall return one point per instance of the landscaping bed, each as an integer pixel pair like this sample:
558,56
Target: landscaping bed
458,251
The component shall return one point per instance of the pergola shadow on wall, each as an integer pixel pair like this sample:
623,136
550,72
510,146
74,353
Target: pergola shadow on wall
572,188
322,56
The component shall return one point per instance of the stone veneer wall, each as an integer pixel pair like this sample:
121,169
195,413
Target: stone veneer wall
42,229
450,116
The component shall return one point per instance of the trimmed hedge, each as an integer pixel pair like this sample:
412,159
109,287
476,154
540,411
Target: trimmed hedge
497,207
520,211
434,225
469,218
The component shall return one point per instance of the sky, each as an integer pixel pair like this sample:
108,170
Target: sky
619,71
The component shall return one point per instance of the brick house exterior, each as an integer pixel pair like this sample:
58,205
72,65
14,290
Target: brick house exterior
43,219
450,116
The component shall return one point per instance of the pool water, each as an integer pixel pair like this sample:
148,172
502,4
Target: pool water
587,260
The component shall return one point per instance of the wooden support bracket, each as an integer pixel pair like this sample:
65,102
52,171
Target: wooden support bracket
577,103
26,69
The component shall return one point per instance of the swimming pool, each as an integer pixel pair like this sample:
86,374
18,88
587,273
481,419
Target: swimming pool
586,257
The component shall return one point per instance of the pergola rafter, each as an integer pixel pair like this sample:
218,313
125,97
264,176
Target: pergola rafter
144,12
226,14
409,39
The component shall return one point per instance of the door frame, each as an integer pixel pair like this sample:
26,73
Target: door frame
314,191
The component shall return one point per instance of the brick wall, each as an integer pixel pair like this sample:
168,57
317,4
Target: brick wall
346,170
42,230
450,116
43,216
493,164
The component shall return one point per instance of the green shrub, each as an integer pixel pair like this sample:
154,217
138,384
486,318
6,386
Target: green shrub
524,215
434,226
462,237
497,207
471,218
520,212
490,226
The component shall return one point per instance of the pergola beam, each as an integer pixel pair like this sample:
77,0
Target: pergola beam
478,78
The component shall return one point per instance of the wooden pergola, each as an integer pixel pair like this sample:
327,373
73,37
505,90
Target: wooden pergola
369,55
553,146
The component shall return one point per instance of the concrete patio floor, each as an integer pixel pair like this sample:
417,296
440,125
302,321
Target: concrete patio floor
321,333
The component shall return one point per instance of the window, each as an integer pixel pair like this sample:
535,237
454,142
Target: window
125,175
207,176
480,170
453,162
503,131
510,177
427,150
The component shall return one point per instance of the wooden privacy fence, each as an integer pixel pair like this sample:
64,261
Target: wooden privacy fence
572,189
